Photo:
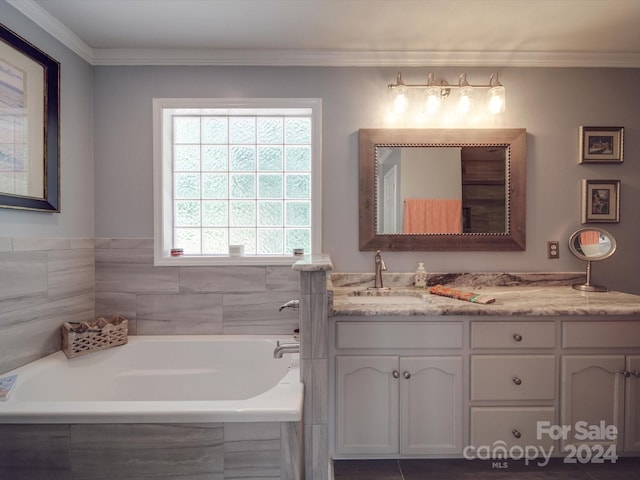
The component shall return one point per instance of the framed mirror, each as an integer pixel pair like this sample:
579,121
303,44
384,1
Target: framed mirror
591,244
442,189
29,126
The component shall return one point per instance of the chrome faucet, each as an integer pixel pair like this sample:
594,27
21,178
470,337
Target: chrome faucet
295,304
380,267
282,348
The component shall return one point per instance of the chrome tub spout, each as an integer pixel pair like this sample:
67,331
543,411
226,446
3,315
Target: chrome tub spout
295,304
282,348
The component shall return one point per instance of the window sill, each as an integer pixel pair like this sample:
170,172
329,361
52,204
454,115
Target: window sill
225,260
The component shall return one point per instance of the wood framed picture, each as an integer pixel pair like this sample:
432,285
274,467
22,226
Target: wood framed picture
29,126
600,201
601,144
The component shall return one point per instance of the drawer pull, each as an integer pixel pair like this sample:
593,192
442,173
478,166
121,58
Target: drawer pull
517,337
517,381
626,373
396,374
406,375
516,433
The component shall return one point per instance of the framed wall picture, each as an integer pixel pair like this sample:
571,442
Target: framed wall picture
600,201
29,126
601,144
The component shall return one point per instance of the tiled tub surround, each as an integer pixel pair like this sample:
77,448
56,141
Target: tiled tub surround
43,283
191,300
197,451
314,362
170,439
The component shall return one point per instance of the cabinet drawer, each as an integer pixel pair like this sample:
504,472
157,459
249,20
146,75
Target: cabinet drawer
399,335
513,377
512,425
600,334
513,335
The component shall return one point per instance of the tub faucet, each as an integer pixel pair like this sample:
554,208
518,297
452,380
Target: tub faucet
282,348
380,267
295,304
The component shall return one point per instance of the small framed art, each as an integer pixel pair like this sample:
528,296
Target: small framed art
601,144
600,201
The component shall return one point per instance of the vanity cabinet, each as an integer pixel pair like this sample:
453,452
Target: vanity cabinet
399,405
513,382
395,403
420,386
593,392
601,387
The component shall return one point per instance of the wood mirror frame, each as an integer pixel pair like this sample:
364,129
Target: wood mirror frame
514,236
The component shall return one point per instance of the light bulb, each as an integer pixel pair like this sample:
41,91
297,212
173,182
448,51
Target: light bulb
432,101
496,100
400,100
465,100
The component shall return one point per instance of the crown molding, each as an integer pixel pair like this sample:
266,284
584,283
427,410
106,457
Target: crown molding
55,28
330,58
317,58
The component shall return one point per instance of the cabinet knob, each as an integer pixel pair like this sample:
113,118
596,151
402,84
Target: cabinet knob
626,373
635,374
396,374
517,337
516,433
406,375
517,381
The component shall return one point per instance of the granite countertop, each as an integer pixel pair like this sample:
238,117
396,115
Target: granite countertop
515,294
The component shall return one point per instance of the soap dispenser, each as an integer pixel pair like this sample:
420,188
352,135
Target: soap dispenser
420,280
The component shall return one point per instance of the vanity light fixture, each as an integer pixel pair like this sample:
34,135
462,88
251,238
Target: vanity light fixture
434,93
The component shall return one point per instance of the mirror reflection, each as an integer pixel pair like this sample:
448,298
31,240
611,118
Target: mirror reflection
441,190
591,244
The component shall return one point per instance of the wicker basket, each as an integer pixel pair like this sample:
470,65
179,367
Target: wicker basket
86,337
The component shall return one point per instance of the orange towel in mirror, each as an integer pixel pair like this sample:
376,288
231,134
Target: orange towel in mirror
432,215
589,237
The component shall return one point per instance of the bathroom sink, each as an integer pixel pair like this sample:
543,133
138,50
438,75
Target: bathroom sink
383,300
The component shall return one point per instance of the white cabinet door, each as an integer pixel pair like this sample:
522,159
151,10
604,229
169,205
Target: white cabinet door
592,392
367,393
632,414
431,405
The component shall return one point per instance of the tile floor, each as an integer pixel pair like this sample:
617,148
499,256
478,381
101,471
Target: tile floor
460,469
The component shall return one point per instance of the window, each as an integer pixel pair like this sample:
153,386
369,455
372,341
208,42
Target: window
236,172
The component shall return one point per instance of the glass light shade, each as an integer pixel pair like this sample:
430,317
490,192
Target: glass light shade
465,100
496,99
400,99
432,100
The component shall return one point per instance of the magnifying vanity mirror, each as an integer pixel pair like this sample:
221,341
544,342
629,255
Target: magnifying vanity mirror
592,245
442,189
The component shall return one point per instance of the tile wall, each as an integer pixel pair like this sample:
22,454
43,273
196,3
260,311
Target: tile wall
315,370
43,283
46,281
191,300
215,451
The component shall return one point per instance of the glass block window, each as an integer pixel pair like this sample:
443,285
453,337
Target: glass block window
237,175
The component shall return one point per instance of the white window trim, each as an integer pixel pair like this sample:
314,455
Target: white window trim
162,179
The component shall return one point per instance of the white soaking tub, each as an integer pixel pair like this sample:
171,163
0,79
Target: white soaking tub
167,379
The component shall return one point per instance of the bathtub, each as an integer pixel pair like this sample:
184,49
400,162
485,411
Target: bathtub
167,379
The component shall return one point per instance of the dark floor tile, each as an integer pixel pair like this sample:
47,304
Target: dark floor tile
489,470
461,469
366,470
624,469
